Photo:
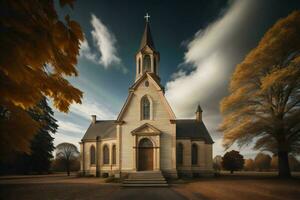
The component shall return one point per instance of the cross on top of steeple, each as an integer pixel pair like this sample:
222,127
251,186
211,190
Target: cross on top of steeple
147,17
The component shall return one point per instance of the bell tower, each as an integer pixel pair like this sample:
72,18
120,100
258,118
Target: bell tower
147,58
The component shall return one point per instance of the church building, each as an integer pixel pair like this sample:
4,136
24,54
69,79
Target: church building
147,136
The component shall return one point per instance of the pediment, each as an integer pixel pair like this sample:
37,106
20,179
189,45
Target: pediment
146,129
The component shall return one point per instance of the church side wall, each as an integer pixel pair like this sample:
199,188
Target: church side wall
91,169
204,165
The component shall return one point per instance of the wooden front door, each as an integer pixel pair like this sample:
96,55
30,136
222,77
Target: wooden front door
145,159
145,155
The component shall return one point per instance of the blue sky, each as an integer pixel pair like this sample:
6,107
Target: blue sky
200,43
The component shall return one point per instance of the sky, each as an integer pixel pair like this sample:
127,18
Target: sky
200,43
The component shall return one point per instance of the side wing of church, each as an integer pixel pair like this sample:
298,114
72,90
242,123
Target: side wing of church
146,136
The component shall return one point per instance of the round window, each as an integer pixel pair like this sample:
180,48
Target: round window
146,83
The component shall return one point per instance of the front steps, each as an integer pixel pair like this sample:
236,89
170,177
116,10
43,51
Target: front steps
145,179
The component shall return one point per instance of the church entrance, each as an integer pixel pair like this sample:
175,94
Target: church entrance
145,155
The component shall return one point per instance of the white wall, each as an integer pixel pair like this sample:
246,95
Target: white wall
161,120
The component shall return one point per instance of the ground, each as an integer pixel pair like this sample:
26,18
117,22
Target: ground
239,186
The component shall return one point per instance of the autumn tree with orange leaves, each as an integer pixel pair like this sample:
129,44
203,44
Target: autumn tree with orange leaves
38,51
264,100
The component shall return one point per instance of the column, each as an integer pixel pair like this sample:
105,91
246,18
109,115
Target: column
97,157
158,154
134,153
152,63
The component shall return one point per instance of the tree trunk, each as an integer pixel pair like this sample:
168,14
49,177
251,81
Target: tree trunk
283,164
68,168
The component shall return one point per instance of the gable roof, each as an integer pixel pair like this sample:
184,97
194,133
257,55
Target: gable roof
159,88
192,129
102,128
148,127
150,75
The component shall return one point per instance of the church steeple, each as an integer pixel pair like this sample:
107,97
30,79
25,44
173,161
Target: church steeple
147,58
147,37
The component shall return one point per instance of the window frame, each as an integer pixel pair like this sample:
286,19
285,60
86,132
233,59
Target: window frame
114,154
179,154
92,155
194,154
145,115
106,159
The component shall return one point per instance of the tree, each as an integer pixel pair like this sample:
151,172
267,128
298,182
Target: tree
38,51
58,165
233,161
42,143
262,162
217,163
293,162
249,165
264,99
274,163
67,153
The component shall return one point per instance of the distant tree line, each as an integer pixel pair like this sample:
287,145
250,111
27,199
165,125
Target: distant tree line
234,161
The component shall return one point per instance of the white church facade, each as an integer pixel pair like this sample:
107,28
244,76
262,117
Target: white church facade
146,136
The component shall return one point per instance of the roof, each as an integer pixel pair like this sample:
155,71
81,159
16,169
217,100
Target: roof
102,128
160,92
199,109
147,74
192,129
147,38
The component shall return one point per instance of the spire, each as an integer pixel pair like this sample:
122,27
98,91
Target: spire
199,114
147,38
199,109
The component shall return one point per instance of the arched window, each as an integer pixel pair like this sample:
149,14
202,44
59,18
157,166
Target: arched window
114,154
145,108
139,66
179,154
194,154
105,155
147,63
145,143
92,155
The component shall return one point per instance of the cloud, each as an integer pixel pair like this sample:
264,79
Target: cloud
105,42
60,138
85,51
209,61
65,126
91,107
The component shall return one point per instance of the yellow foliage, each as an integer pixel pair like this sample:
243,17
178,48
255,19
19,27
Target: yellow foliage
264,98
38,50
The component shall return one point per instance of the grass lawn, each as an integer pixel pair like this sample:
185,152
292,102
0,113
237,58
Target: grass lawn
241,186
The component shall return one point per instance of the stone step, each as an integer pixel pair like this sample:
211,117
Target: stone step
144,181
145,175
145,185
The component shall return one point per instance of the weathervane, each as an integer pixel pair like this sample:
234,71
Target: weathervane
147,17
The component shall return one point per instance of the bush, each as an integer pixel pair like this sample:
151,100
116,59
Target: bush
262,162
233,161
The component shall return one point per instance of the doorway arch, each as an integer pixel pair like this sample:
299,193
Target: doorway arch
145,155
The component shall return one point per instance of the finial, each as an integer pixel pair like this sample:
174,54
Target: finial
147,17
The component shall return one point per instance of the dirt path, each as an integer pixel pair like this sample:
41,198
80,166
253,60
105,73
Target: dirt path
61,187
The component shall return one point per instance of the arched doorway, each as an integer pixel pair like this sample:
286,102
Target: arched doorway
145,155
